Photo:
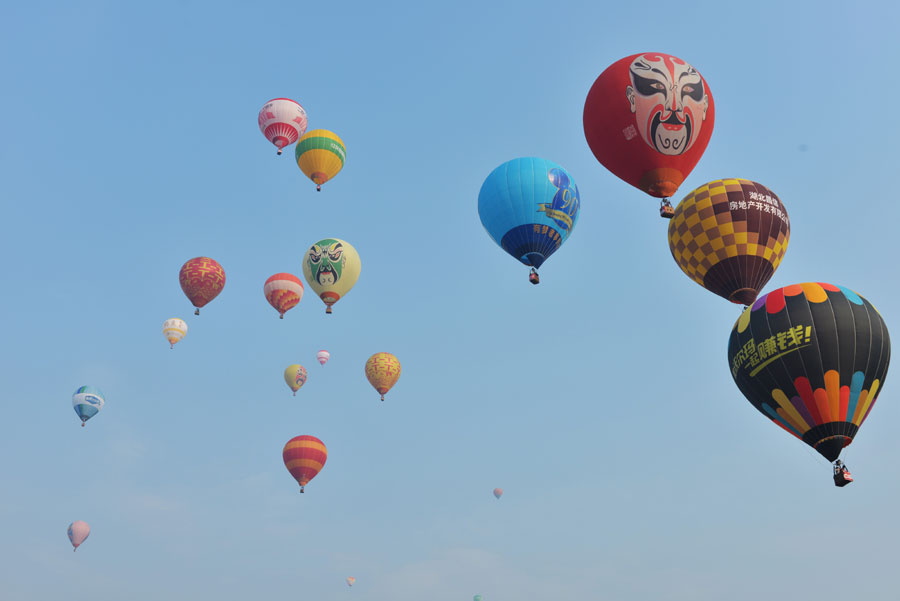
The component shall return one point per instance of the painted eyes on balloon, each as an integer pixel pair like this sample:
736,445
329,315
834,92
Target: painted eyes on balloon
648,87
693,91
336,255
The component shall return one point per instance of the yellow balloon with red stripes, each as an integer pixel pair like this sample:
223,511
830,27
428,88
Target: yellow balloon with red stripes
383,371
320,155
304,457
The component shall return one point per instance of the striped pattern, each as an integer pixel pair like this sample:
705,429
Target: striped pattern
202,279
382,371
283,291
282,121
304,456
729,236
320,155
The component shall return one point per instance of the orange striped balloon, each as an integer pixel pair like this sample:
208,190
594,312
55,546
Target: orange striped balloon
382,371
283,291
202,279
304,456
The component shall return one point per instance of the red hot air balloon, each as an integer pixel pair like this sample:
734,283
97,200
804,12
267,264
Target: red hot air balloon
648,119
304,456
282,121
283,291
202,279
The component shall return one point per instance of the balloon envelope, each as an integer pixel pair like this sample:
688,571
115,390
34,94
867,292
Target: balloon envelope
812,358
729,236
295,377
202,279
331,268
350,580
78,532
323,357
283,291
382,371
174,330
304,456
320,155
87,402
282,121
529,206
498,492
648,118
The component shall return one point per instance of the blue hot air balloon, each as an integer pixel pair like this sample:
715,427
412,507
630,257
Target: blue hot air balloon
529,207
87,402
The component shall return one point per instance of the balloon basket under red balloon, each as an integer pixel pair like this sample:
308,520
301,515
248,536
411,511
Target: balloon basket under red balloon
196,311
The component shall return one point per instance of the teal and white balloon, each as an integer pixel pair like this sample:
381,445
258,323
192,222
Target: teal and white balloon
87,402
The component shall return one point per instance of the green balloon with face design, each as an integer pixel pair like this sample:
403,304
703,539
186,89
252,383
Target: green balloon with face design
331,267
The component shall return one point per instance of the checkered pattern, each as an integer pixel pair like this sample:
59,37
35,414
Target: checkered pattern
720,220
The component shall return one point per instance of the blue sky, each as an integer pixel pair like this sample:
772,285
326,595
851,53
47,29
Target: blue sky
600,401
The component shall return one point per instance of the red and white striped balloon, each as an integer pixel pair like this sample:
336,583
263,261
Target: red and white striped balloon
323,357
282,121
283,291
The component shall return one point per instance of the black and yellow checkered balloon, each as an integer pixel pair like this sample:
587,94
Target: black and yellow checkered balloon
729,236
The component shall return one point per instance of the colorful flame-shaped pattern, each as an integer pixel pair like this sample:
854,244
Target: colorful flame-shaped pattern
383,371
812,358
283,291
304,457
202,279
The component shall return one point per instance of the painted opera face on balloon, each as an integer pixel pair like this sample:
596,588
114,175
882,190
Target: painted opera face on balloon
326,261
669,102
563,209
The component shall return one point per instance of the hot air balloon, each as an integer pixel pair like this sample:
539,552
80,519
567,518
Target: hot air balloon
304,456
350,580
320,156
729,236
202,279
174,330
382,371
812,358
498,492
87,402
648,119
331,267
295,376
283,291
282,121
476,598
323,357
529,207
78,532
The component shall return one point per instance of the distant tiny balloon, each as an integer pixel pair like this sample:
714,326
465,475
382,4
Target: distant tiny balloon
350,580
476,598
87,402
498,492
174,330
382,371
78,533
323,357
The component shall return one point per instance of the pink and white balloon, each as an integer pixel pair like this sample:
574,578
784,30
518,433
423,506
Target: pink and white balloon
78,532
323,357
498,492
282,121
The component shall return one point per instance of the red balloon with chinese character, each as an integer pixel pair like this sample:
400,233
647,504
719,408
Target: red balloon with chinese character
202,279
648,119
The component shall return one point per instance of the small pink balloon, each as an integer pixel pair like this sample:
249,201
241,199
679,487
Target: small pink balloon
498,492
78,532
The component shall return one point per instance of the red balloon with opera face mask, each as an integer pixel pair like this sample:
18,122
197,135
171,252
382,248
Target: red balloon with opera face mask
648,119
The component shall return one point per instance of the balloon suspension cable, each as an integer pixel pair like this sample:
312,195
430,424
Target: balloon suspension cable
295,393
197,311
328,309
382,398
171,346
301,490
